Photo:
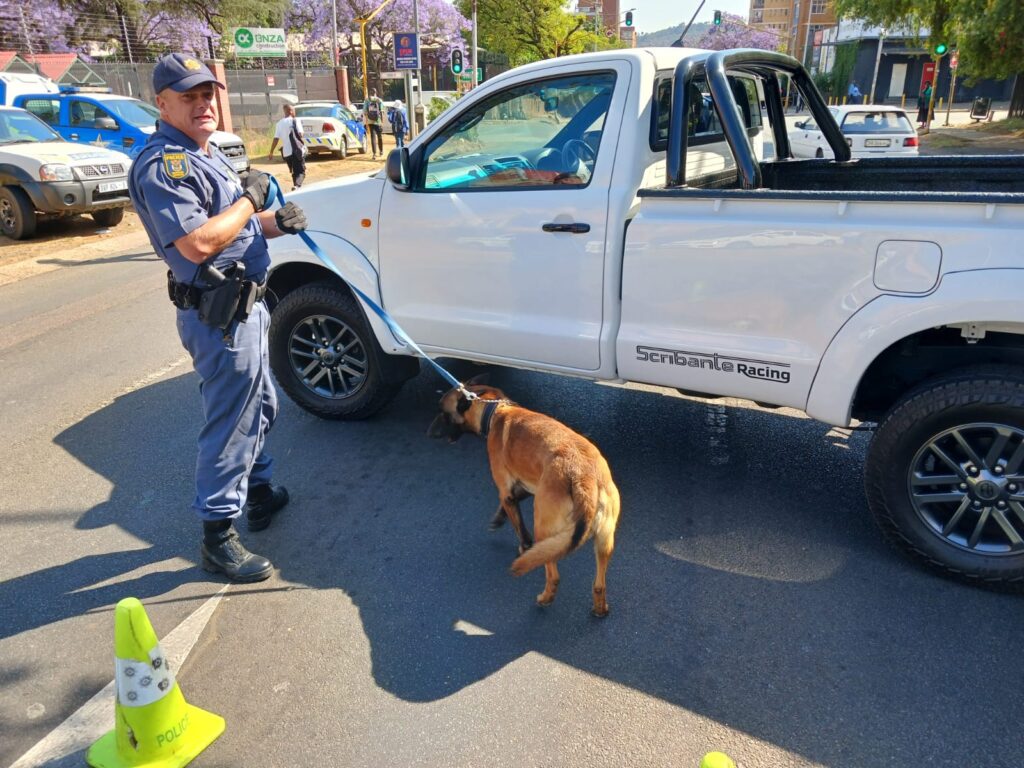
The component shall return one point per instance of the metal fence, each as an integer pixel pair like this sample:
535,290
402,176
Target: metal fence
256,96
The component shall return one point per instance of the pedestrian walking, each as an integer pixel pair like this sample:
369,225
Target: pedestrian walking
293,148
924,100
853,93
373,115
399,122
211,228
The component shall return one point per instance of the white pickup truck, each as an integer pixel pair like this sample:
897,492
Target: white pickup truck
636,215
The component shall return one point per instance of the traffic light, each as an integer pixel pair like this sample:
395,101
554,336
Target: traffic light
629,18
940,49
456,62
718,18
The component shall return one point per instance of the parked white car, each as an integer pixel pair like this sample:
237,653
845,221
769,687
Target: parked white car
871,130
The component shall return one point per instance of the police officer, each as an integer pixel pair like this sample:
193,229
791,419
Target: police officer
211,228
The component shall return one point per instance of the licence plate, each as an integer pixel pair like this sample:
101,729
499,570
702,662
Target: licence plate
312,134
876,142
238,165
112,186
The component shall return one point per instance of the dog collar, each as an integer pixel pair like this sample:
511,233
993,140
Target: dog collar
490,406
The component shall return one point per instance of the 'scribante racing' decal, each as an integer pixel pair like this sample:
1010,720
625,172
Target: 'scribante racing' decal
752,369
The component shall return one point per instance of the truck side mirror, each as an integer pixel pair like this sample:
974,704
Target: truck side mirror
397,168
105,124
799,125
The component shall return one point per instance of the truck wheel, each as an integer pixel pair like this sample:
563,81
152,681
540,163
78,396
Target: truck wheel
108,217
17,216
326,358
945,475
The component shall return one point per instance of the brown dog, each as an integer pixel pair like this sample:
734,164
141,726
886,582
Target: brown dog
532,454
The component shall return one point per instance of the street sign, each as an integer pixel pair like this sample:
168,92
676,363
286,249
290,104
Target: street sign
407,50
954,60
391,75
467,77
262,42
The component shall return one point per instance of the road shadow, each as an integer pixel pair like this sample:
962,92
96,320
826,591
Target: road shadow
748,584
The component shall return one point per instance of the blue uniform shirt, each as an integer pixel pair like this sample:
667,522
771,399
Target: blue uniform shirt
176,188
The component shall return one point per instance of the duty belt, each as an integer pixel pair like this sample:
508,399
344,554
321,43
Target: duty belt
187,296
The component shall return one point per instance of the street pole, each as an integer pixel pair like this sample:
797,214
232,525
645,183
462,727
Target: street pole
334,35
878,60
952,86
476,52
415,110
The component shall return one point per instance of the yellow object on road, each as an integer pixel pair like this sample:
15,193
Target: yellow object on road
717,760
154,726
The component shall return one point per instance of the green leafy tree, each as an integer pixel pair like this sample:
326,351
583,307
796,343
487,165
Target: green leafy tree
989,34
532,30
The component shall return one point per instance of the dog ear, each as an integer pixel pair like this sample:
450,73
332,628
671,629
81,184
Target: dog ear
481,378
440,426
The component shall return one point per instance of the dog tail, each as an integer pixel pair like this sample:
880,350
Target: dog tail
586,502
550,549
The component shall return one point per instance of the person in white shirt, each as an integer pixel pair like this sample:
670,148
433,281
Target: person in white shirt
289,133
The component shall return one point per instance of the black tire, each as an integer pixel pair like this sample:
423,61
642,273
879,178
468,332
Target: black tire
17,215
945,475
355,385
342,153
108,217
362,145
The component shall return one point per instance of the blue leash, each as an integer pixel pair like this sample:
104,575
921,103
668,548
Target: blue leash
275,193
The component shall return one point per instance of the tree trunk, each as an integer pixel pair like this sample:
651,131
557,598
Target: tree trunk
1017,99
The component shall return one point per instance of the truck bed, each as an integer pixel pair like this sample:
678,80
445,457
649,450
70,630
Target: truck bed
987,178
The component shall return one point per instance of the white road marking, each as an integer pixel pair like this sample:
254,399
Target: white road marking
96,716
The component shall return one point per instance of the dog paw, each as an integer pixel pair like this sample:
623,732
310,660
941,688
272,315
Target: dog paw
599,614
545,599
497,521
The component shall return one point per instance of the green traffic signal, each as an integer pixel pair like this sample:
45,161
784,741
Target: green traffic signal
941,49
456,62
718,18
629,18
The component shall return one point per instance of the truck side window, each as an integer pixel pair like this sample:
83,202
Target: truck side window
84,114
47,110
703,125
546,133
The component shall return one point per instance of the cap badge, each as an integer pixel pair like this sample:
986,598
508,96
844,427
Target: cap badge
192,65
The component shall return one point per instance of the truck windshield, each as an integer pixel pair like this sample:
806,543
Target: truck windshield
20,127
133,111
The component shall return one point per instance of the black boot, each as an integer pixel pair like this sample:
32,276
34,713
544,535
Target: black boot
264,501
223,553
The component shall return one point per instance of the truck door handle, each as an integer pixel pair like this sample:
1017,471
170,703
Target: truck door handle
576,229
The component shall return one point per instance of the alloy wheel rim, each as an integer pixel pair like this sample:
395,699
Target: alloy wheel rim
7,215
328,357
967,486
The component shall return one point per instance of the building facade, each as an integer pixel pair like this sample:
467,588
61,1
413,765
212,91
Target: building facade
797,22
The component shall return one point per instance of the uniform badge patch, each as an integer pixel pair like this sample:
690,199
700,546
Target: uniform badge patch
192,65
176,164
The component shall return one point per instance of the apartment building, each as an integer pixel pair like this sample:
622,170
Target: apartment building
796,22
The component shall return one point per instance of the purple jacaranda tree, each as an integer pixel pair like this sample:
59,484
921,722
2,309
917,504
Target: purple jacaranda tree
39,26
734,32
441,27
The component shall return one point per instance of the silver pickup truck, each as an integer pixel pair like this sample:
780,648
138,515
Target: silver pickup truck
41,175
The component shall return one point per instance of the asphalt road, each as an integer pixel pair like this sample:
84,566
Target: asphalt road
755,608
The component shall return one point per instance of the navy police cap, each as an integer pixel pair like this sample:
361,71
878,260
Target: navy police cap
180,72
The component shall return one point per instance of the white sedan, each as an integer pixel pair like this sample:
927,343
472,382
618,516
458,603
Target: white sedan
871,130
329,127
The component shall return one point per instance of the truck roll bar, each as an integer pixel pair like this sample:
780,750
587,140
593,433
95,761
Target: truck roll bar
765,64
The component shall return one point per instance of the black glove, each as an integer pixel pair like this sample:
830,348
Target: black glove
290,219
256,186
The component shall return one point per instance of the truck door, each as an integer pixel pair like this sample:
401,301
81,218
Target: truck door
498,249
89,123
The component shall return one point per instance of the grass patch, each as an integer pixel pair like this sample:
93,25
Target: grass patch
1013,128
257,144
943,141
